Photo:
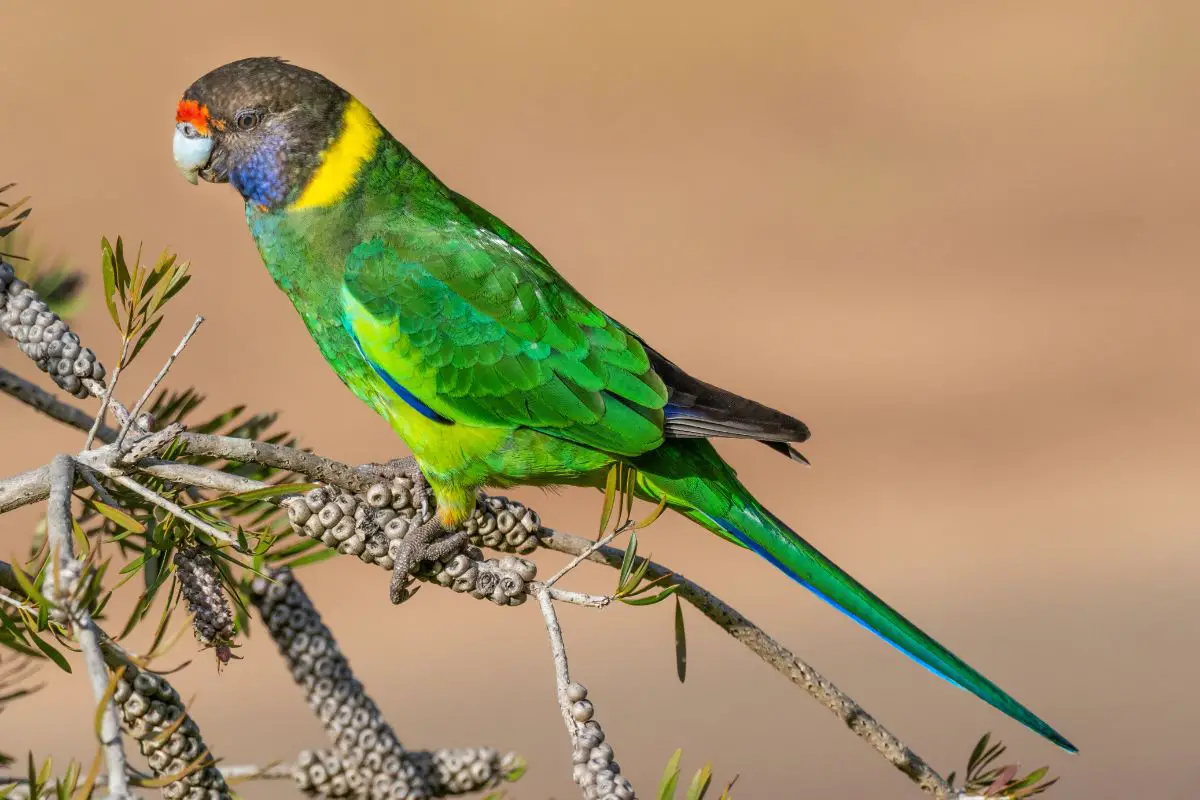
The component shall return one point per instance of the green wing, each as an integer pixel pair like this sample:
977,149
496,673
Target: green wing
466,317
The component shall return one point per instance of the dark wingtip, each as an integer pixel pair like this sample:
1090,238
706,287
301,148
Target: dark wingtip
783,448
1062,742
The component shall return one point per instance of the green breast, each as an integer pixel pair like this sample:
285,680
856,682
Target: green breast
305,253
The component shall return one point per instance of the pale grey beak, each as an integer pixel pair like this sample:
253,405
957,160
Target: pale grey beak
192,150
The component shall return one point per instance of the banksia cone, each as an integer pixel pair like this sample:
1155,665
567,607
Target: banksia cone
595,771
152,713
43,336
373,525
212,619
463,770
367,758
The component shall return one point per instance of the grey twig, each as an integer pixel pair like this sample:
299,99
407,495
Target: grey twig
59,530
170,507
578,598
9,581
778,657
105,391
89,477
162,373
579,559
37,398
558,652
595,772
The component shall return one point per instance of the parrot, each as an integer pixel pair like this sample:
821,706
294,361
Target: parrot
490,366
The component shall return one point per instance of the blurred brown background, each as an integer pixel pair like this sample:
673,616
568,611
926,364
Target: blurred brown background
955,238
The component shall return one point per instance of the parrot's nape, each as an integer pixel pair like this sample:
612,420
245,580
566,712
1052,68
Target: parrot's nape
491,367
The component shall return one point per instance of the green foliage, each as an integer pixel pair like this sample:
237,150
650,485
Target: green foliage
135,295
984,779
54,282
147,537
632,587
26,626
40,781
12,214
698,787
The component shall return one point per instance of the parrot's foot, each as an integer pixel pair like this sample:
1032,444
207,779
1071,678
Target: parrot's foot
429,541
422,494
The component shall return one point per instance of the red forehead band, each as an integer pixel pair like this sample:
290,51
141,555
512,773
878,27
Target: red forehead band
191,111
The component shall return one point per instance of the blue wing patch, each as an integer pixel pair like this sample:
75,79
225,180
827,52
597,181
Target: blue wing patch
401,392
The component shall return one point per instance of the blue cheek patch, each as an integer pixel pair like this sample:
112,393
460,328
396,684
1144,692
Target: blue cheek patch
260,178
404,394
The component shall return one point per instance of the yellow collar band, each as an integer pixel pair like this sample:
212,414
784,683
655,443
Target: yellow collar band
342,160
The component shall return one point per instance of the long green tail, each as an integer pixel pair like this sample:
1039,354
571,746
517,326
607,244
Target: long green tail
696,482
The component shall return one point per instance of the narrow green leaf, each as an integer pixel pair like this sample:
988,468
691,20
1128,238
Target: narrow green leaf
639,571
651,599
122,270
89,783
627,494
312,558
1029,780
108,267
977,752
255,494
666,787
49,651
294,548
143,339
1036,790
27,586
680,642
518,770
700,782
650,586
176,287
610,497
168,610
133,566
653,516
82,545
118,516
627,562
152,567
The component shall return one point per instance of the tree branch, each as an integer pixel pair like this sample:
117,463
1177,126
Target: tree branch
68,573
595,771
778,657
162,373
34,485
40,400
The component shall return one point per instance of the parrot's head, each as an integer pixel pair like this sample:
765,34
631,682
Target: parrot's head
260,124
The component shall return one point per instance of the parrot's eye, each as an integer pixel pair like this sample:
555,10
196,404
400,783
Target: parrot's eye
247,119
